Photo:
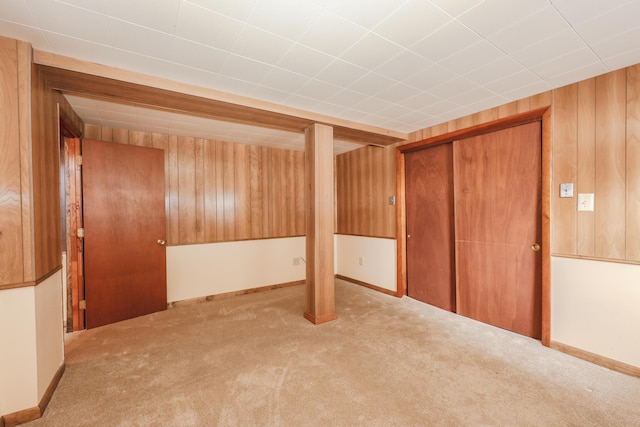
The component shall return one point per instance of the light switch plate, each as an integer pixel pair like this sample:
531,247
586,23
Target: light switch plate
566,189
586,202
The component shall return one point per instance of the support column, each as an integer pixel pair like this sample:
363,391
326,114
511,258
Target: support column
320,305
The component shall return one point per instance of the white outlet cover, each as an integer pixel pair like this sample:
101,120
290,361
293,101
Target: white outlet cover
586,202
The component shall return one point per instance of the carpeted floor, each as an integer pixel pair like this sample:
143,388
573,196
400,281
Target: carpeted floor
253,360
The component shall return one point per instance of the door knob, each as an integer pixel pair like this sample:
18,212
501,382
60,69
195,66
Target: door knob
535,247
408,236
161,242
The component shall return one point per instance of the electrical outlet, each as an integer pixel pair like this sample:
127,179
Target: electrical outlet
296,260
361,260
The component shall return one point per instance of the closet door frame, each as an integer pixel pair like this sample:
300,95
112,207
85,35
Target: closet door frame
543,115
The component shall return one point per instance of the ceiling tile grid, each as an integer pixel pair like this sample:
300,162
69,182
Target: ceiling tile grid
404,63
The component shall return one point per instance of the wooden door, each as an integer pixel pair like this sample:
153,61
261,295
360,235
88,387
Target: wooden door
124,222
497,181
430,248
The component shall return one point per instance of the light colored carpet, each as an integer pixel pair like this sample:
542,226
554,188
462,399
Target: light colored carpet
253,360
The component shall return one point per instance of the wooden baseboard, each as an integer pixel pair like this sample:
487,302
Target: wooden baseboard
612,364
366,285
318,320
31,414
233,294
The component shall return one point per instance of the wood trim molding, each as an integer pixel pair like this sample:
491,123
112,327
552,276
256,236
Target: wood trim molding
515,120
366,285
365,235
105,82
31,414
612,364
545,116
190,301
31,283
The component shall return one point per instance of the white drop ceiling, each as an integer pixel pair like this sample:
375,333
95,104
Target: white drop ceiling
396,64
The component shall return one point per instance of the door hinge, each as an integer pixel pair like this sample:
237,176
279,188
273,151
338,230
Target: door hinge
78,160
82,304
80,232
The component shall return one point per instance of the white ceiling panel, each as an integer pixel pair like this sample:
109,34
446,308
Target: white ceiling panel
382,62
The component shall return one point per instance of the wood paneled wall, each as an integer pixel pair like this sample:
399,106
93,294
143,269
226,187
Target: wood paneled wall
219,191
597,147
365,179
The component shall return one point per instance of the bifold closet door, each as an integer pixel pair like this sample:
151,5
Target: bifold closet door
497,185
429,202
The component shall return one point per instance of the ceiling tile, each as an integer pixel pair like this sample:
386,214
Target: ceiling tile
454,86
347,97
76,48
285,80
318,90
623,59
261,46
197,55
529,90
142,40
371,51
146,13
268,94
332,34
372,83
18,12
404,65
578,74
549,48
578,11
494,70
397,93
237,9
413,21
55,17
492,16
301,102
22,32
445,41
574,60
543,24
95,5
456,7
429,78
475,95
614,21
519,79
368,16
471,57
372,105
616,45
304,60
420,100
207,27
287,18
242,68
185,74
341,73
439,108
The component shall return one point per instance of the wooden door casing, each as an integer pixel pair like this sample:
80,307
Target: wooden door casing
430,234
497,181
124,218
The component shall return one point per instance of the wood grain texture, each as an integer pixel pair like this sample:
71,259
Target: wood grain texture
320,300
633,165
430,233
586,165
174,212
610,144
187,222
11,238
565,149
242,196
210,192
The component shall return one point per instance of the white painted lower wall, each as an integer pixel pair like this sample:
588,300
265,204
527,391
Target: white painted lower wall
378,255
18,358
595,306
195,271
49,330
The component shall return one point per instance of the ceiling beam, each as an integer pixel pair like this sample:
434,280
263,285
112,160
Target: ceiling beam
75,76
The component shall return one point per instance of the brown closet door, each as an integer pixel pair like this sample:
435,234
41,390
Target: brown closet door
498,218
429,198
124,222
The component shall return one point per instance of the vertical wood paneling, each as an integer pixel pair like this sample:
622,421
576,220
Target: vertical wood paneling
161,142
219,181
298,170
267,231
633,165
187,190
565,150
290,200
174,212
93,132
229,191
610,165
140,138
255,192
11,269
586,141
277,193
242,176
210,191
121,136
199,183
